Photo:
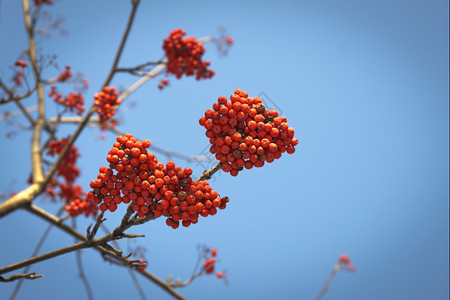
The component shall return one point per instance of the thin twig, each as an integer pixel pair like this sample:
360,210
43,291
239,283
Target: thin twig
81,272
16,113
18,276
11,96
326,286
35,252
135,4
137,284
125,261
131,272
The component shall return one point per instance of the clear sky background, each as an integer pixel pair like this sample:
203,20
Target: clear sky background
364,84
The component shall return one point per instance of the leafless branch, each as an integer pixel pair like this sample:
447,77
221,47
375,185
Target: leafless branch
326,286
18,276
208,174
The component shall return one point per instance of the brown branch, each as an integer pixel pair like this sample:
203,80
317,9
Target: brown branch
177,283
11,96
125,261
134,70
35,252
20,276
326,286
16,113
135,4
118,233
142,80
83,277
24,110
137,284
206,175
36,138
81,272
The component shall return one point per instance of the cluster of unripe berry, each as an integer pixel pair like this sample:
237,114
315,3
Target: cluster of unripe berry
154,189
106,102
184,56
244,134
72,101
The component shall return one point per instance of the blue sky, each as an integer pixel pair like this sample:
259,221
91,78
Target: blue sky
364,84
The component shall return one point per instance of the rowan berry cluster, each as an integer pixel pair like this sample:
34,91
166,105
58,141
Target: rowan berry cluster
20,63
18,77
143,265
67,168
106,102
65,75
72,101
209,264
184,56
344,260
244,134
135,175
76,200
73,195
163,83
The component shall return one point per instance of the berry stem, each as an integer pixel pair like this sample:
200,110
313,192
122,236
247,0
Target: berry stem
206,175
326,286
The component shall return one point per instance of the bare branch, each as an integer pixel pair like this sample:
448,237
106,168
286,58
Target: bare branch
135,4
81,272
11,96
19,276
208,174
35,252
16,113
137,284
125,261
326,286
142,80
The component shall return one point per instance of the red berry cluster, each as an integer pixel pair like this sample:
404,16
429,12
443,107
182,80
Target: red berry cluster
184,56
243,133
21,64
18,77
210,263
163,83
143,265
67,168
106,101
65,75
345,261
73,195
135,175
72,101
76,200
80,206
